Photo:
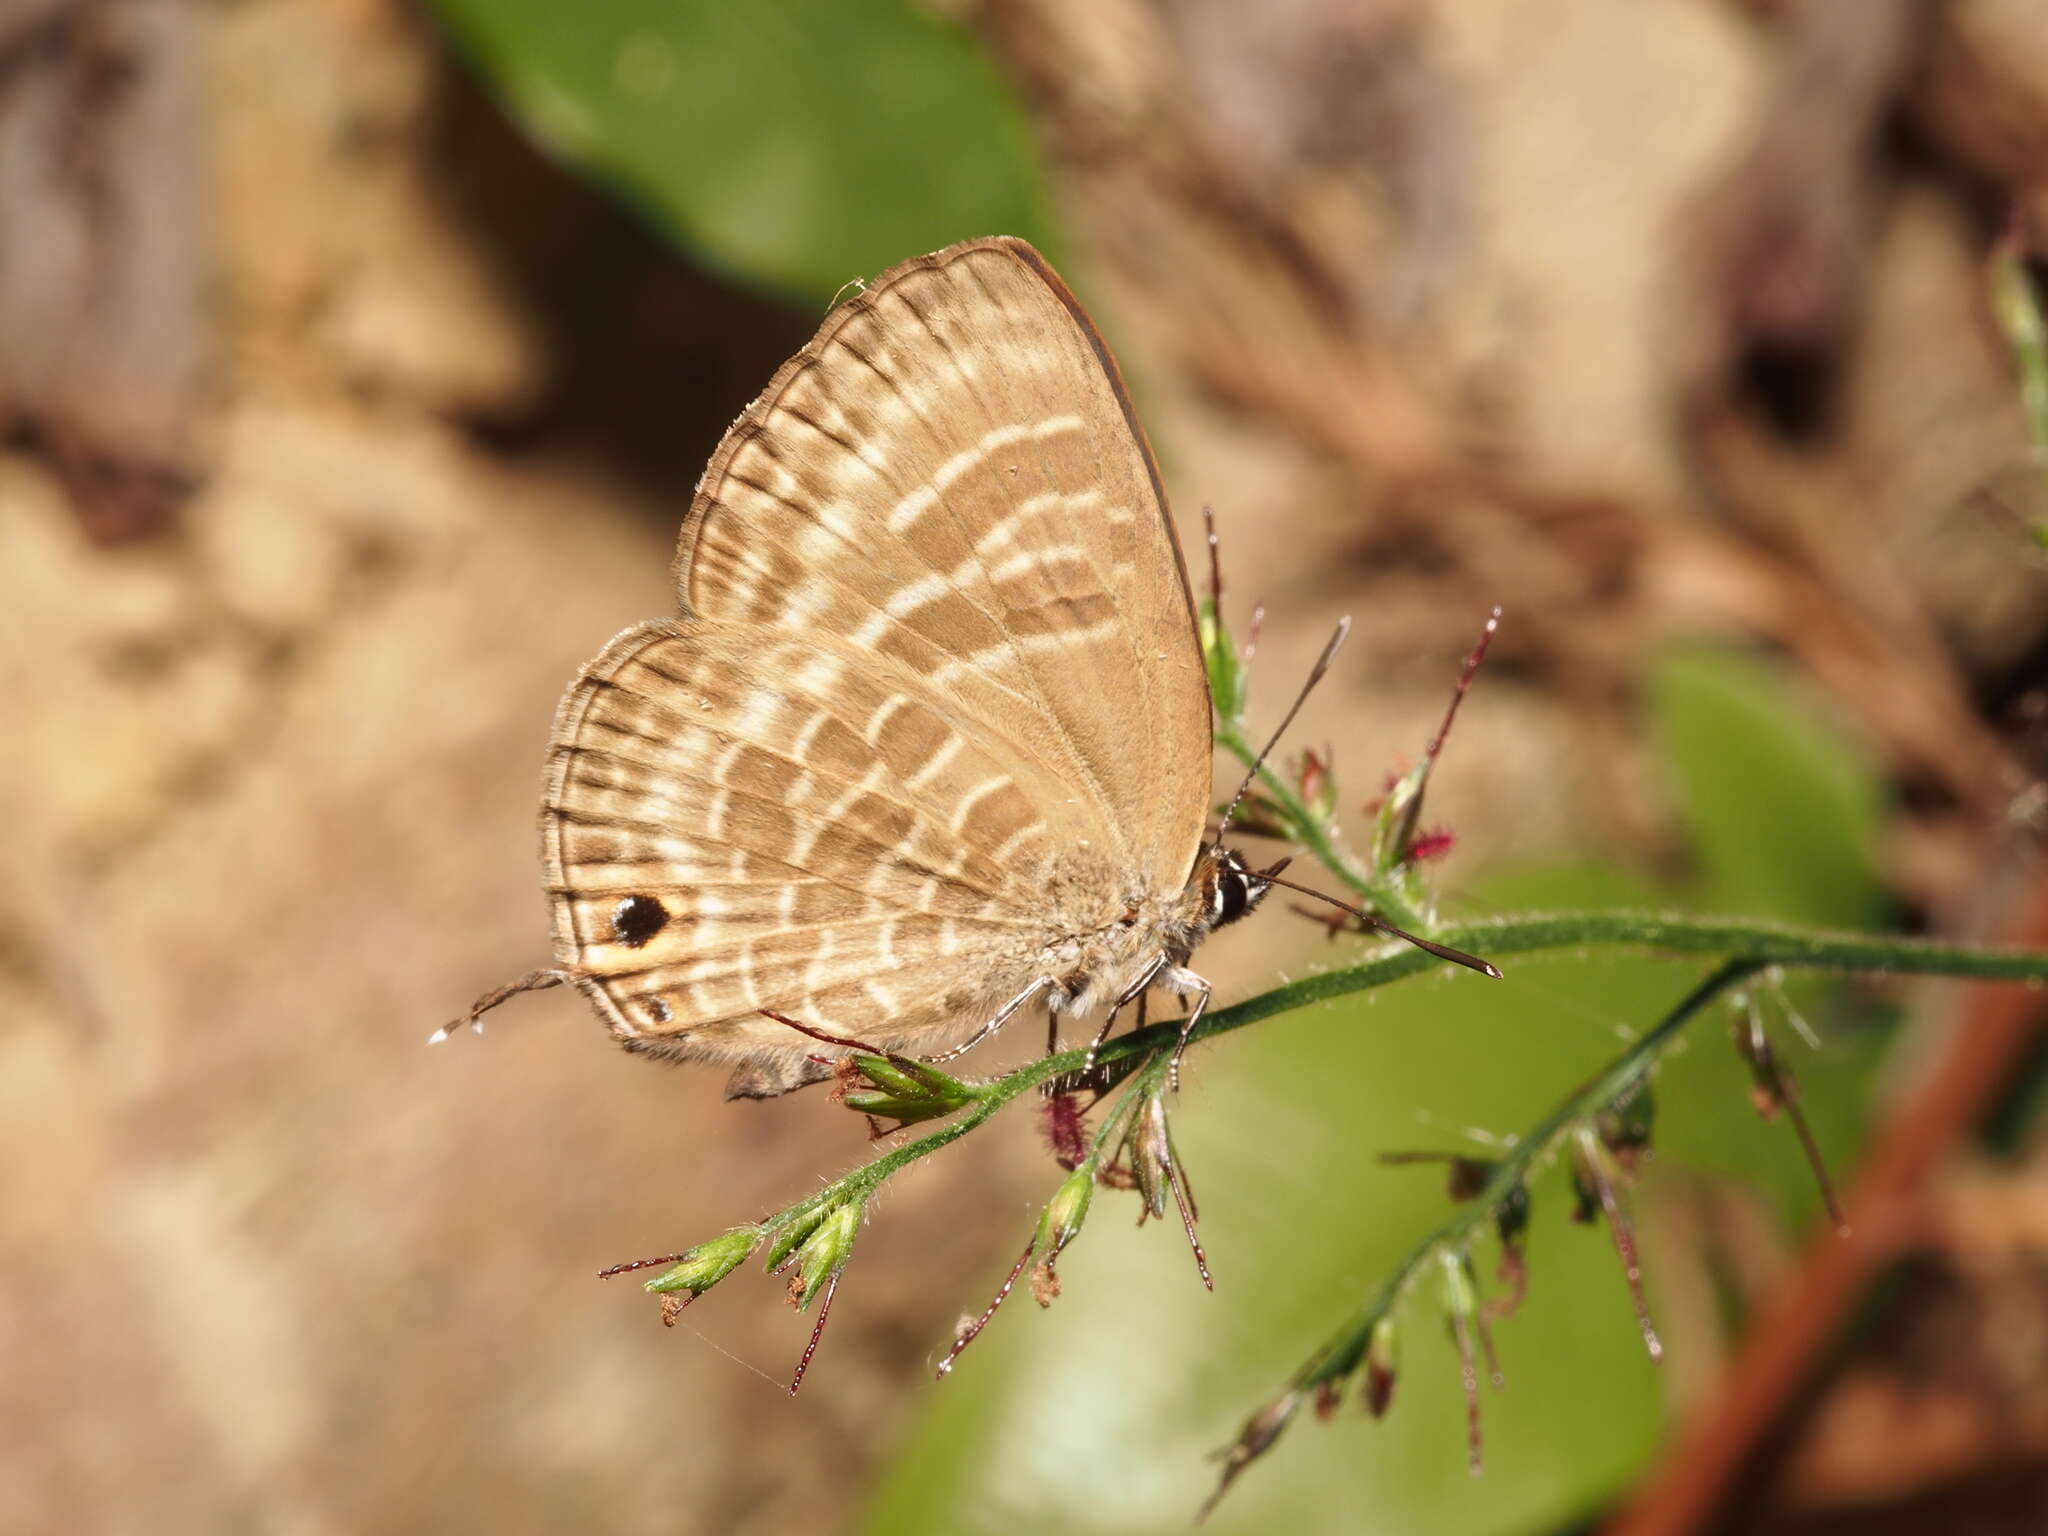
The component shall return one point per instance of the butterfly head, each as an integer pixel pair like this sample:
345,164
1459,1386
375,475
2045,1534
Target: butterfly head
1230,888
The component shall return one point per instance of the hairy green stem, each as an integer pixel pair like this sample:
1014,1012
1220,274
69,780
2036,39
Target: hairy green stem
1471,1219
1765,943
1754,946
1747,947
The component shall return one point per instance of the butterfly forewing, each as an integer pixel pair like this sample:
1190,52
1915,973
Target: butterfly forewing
935,703
949,475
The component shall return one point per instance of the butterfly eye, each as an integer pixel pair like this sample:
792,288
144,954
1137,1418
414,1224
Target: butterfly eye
1233,895
638,919
1236,890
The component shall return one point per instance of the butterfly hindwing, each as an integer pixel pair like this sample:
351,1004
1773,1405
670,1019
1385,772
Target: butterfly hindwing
739,819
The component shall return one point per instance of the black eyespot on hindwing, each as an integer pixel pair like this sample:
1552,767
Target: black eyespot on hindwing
637,919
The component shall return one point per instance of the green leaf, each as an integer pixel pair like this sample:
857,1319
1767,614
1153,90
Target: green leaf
795,144
1781,812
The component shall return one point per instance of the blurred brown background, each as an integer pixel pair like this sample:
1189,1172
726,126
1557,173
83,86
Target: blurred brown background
342,425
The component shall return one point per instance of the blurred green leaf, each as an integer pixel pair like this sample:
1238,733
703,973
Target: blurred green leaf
795,144
1098,1415
1781,812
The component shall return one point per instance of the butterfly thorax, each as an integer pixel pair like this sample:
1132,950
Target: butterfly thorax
1153,934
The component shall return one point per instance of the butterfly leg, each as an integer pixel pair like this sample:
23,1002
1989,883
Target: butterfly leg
1136,989
1003,1016
1186,983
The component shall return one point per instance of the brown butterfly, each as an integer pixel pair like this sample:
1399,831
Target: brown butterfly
928,741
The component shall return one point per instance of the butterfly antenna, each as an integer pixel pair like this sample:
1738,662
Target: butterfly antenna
1441,951
1315,676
